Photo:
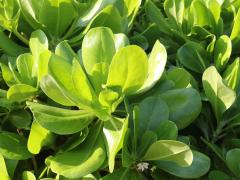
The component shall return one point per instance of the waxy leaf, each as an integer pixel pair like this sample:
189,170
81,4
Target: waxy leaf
233,161
219,95
28,175
13,146
199,166
114,131
57,120
3,169
125,72
184,105
82,160
156,66
236,30
193,56
38,137
222,52
232,74
21,92
169,150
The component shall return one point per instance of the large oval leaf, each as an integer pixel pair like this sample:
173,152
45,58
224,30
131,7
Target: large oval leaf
83,160
125,72
184,105
57,120
233,161
169,150
199,167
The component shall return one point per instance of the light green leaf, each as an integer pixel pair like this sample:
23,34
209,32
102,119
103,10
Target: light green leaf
121,40
3,169
236,30
114,131
125,72
21,92
169,150
175,10
8,75
25,63
57,120
83,160
38,137
200,166
222,52
13,146
233,161
98,47
28,175
232,74
156,66
184,105
219,95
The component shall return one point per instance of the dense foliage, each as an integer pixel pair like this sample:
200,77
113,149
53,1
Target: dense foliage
119,89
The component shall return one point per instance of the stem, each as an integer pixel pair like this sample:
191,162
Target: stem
22,38
218,131
34,164
42,173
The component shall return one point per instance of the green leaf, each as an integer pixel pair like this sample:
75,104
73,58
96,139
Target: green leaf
184,105
114,131
121,40
7,75
156,66
108,17
167,130
200,166
83,160
236,30
28,175
38,138
152,111
124,173
193,56
232,74
25,63
56,92
233,161
215,174
98,48
180,77
169,150
3,169
57,120
222,52
219,95
20,118
21,92
175,10
125,72
13,146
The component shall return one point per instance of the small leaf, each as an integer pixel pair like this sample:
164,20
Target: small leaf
215,174
219,95
167,130
114,131
21,92
222,52
28,175
233,161
38,137
3,169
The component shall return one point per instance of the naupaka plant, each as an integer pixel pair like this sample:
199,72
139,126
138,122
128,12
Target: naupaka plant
105,72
